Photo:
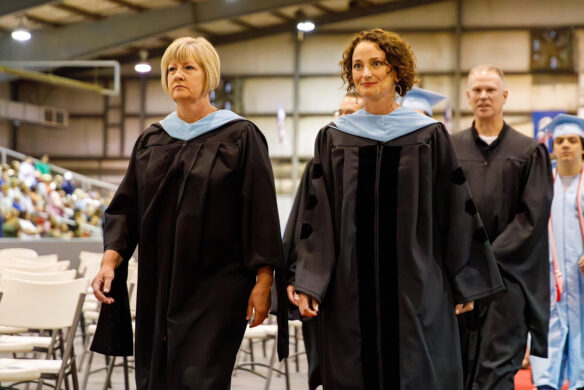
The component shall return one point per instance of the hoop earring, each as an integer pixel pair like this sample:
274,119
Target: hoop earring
400,89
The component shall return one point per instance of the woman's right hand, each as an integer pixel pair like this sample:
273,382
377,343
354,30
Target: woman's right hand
102,283
304,306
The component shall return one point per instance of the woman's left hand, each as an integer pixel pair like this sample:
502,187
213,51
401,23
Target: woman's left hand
581,264
260,297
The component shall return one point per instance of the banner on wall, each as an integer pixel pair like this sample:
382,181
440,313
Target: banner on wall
540,119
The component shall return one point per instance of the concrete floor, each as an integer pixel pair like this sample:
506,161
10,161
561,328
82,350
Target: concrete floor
241,380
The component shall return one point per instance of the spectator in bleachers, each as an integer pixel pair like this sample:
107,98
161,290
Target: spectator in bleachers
26,200
68,185
47,199
26,172
28,229
11,224
5,199
55,203
42,165
44,185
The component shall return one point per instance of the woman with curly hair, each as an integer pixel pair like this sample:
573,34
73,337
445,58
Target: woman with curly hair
391,246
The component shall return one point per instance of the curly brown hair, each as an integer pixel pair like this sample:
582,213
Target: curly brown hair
398,53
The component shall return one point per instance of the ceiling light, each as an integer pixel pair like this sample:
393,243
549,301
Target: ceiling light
143,66
21,34
305,26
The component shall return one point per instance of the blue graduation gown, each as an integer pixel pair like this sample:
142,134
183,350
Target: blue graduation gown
565,341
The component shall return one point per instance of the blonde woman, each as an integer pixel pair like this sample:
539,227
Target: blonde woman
199,201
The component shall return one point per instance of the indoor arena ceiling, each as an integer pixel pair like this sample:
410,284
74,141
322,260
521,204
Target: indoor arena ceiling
119,29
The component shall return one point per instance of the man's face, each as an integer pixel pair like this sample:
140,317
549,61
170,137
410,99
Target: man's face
568,148
349,105
486,94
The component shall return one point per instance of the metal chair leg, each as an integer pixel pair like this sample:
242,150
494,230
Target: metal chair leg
87,371
126,376
108,376
271,369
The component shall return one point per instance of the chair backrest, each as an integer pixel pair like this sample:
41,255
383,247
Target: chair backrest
59,276
29,267
43,259
89,263
41,305
133,284
22,252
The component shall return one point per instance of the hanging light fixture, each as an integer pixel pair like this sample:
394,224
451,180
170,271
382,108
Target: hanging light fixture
143,66
21,34
304,24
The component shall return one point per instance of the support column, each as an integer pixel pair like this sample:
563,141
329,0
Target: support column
296,113
457,71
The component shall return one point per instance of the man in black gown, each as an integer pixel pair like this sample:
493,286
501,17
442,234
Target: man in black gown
350,104
511,181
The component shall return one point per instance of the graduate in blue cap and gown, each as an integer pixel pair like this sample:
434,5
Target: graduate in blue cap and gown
198,200
566,231
391,245
421,100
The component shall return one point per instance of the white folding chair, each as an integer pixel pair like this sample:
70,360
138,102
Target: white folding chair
263,333
21,252
51,306
89,263
132,282
58,276
28,267
53,258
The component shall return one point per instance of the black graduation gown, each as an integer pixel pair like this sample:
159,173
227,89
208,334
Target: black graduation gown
203,214
289,242
390,242
512,184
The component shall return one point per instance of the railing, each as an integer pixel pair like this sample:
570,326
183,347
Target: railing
85,182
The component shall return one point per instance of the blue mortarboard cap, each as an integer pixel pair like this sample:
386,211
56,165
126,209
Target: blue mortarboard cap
564,124
421,99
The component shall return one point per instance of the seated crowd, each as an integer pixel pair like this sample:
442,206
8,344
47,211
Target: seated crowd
35,204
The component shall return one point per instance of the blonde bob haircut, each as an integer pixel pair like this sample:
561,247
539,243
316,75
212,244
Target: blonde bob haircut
192,49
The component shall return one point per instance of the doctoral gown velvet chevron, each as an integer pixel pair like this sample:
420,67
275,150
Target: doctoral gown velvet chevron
203,213
390,242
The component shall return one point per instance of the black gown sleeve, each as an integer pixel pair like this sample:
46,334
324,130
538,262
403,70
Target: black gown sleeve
294,224
261,239
522,251
517,239
467,256
114,335
316,255
121,217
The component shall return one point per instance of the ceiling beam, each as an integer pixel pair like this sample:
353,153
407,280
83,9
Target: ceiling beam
244,24
290,26
282,15
43,21
325,19
127,4
323,8
85,40
79,11
12,6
